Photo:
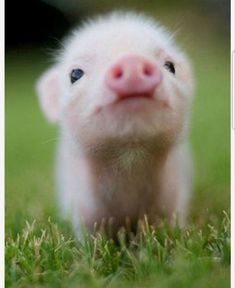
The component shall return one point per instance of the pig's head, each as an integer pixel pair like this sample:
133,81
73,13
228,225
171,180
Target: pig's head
119,79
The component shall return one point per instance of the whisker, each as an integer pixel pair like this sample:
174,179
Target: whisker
50,140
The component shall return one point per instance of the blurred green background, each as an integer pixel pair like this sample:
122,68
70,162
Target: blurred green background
202,29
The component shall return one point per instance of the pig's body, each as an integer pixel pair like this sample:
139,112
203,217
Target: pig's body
123,146
133,184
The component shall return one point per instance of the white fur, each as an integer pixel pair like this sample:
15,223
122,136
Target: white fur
111,163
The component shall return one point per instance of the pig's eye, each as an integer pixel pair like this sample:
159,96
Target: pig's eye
170,66
75,75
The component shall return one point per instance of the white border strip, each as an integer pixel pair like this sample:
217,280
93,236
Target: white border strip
232,146
2,142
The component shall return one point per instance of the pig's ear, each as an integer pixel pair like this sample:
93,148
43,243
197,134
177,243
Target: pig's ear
49,90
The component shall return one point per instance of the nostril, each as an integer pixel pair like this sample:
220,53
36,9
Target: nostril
117,72
148,70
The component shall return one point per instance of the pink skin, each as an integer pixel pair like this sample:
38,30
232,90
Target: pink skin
133,76
123,149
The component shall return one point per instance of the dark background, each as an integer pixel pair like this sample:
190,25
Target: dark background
32,22
37,21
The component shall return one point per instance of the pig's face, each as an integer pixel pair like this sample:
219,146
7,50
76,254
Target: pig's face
119,78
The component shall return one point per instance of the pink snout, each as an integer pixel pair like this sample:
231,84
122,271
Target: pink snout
133,75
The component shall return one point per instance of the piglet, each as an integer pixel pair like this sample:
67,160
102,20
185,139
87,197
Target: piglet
121,93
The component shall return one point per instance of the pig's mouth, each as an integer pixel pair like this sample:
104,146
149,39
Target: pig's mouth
135,96
135,102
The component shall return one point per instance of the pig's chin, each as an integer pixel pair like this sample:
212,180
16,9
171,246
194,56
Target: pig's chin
134,117
106,130
133,120
127,118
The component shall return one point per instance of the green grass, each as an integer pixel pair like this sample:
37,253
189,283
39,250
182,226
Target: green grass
45,253
42,255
